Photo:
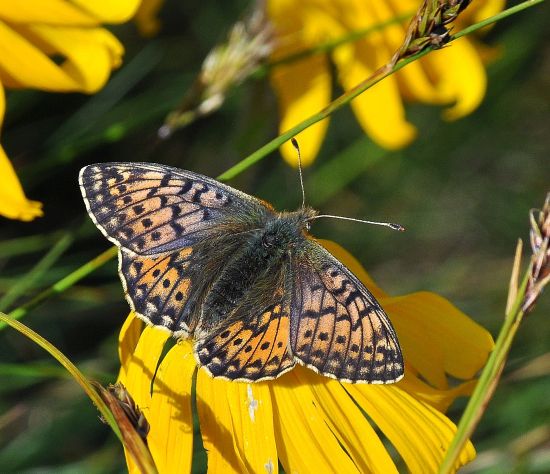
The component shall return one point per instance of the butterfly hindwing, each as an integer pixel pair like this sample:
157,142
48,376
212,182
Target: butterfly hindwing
254,344
338,328
150,208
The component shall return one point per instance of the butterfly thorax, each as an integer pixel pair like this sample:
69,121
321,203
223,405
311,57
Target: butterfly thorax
261,254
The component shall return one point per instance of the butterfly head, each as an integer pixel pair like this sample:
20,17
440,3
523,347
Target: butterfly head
286,229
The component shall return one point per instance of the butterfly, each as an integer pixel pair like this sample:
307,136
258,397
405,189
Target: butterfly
249,284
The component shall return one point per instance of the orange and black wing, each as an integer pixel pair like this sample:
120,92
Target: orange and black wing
166,290
337,328
150,209
254,344
175,230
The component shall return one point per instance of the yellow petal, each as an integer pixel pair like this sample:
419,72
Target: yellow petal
13,202
171,436
305,443
138,373
379,110
2,104
146,17
216,425
346,421
418,432
252,426
25,65
91,53
461,76
141,366
127,342
53,12
303,88
481,10
437,398
108,11
462,345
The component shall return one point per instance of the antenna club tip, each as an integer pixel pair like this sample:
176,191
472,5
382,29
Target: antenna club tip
294,143
398,227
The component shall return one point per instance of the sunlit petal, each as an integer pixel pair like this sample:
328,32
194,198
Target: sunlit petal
91,53
171,436
13,202
52,12
346,421
252,425
25,65
417,431
462,345
461,76
440,399
127,342
379,110
216,425
142,365
108,11
303,88
305,442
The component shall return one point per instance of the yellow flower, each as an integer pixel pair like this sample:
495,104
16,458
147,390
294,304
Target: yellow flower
454,75
58,46
307,422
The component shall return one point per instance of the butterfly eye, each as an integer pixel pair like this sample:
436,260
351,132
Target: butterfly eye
308,226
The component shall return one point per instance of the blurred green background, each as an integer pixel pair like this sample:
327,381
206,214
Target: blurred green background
462,189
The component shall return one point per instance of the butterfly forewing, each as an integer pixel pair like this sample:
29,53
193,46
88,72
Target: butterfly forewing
150,209
338,328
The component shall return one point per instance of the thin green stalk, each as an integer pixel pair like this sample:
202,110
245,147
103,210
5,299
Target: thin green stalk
347,97
63,284
34,274
499,16
69,366
487,381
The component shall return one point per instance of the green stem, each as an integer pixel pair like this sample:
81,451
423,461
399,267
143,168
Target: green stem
63,284
499,16
487,381
69,366
347,97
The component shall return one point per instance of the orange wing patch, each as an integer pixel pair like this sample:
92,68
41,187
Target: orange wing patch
158,289
251,351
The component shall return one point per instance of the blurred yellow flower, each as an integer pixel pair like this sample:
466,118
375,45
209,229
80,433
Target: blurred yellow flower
58,46
454,75
307,422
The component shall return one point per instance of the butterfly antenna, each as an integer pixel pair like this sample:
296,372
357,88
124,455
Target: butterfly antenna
295,145
391,225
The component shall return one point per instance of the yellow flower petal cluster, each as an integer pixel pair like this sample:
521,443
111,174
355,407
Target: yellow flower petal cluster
452,76
307,422
58,46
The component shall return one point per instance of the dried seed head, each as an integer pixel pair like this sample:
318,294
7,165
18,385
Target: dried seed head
540,261
249,44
